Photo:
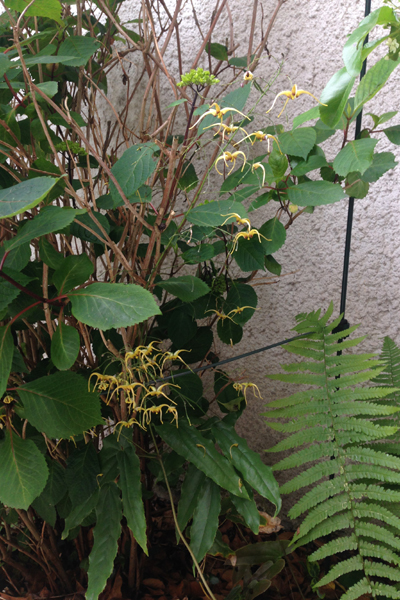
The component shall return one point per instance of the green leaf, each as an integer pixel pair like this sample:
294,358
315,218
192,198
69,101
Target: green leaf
181,327
6,355
79,513
249,254
228,332
247,462
272,265
80,48
82,473
23,196
298,142
65,345
23,472
393,134
373,81
187,287
381,163
131,171
176,103
18,258
105,540
261,552
51,9
74,270
240,61
198,254
190,494
239,295
313,162
55,486
335,95
205,519
353,48
356,187
49,255
278,163
248,510
217,51
50,88
312,113
131,487
60,405
80,232
188,179
215,213
275,233
112,305
355,156
49,220
315,193
188,442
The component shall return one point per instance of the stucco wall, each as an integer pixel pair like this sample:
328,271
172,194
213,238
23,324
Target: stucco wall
309,35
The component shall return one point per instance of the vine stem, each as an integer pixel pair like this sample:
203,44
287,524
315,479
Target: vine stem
176,520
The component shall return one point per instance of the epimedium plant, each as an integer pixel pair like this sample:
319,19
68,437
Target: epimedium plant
114,271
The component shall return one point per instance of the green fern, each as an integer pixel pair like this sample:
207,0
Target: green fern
336,425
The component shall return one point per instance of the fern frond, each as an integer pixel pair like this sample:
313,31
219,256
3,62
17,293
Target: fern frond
337,424
315,434
355,563
342,544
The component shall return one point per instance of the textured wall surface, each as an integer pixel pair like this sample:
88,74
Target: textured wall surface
309,35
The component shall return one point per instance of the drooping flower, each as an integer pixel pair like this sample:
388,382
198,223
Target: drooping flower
292,95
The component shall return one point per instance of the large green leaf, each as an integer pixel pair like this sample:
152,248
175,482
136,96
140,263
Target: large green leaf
17,259
131,171
335,95
190,494
79,48
8,291
352,51
240,295
82,473
205,519
74,270
112,305
80,512
275,234
217,51
55,486
381,163
78,230
298,142
373,81
23,472
249,254
313,162
229,332
215,213
188,442
50,219
187,287
393,134
22,196
315,193
357,155
249,463
131,487
248,510
65,345
6,355
105,540
51,9
60,405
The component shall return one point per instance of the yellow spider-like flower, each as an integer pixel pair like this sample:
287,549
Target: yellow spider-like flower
247,235
239,220
226,129
260,136
173,356
221,316
259,166
157,391
240,309
292,95
129,389
230,157
218,112
129,423
243,387
157,410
